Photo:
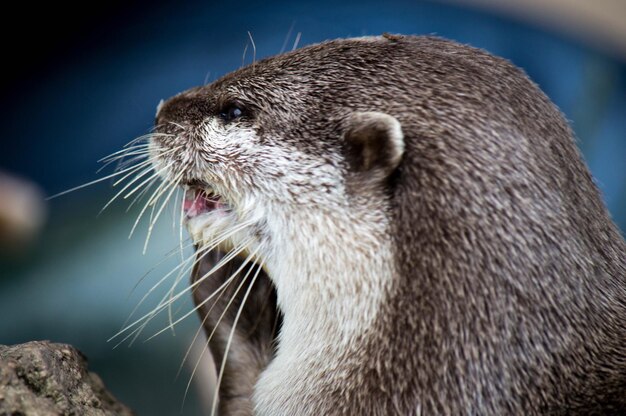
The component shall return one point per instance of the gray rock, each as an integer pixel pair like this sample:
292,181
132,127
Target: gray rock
41,378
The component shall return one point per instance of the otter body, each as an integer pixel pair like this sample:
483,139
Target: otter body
431,240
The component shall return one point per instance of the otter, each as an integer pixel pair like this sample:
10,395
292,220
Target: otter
416,233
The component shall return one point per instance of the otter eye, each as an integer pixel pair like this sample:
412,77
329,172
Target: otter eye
231,112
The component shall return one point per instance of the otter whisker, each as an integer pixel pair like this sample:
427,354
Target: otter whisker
121,172
282,49
163,187
211,245
297,41
132,172
180,228
168,255
122,163
243,58
175,208
124,151
126,327
220,288
129,150
142,164
143,148
153,178
228,257
200,328
253,49
160,154
180,126
128,185
152,208
143,192
138,154
243,281
162,305
147,137
174,187
230,337
206,78
182,206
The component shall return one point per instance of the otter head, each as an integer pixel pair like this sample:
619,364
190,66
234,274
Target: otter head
275,172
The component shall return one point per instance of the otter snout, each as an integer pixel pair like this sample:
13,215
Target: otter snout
184,110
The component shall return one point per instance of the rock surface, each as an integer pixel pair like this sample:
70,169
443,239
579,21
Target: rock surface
48,379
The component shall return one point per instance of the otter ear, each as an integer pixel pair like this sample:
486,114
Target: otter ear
373,141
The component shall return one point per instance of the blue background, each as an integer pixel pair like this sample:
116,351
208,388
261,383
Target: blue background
90,85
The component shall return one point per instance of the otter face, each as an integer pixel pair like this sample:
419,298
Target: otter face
267,174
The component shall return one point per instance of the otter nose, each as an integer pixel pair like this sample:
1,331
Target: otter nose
183,109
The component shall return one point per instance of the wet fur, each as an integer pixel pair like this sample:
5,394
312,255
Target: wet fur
506,292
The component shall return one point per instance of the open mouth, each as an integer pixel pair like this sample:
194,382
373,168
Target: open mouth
201,201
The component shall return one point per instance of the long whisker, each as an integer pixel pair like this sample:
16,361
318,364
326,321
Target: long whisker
180,228
122,163
282,49
169,309
174,208
206,78
175,124
199,331
243,281
125,160
92,182
212,244
155,196
297,41
253,48
184,265
149,203
143,192
128,185
139,166
168,255
137,153
147,136
124,150
243,58
143,149
223,285
154,176
161,306
230,339
162,207
148,162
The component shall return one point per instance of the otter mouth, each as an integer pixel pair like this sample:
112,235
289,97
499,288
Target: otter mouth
199,201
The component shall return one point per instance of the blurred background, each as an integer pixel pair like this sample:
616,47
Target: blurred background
80,88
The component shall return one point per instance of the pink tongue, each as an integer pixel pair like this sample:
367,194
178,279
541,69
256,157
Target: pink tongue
192,202
196,203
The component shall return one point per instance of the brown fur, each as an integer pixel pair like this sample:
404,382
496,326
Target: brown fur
511,293
256,330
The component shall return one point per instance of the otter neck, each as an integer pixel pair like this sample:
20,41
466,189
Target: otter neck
332,273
